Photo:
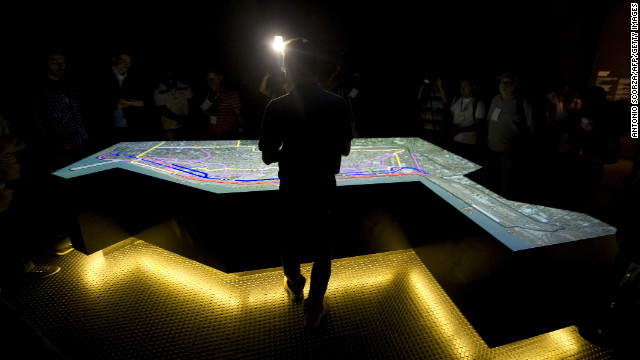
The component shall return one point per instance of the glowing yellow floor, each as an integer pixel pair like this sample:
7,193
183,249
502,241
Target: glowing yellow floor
142,302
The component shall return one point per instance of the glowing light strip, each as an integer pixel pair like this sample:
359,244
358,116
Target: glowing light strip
221,290
440,309
545,346
454,333
101,273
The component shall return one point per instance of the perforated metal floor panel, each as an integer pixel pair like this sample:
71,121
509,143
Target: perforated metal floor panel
142,302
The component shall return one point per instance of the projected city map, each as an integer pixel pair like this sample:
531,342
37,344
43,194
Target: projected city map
236,166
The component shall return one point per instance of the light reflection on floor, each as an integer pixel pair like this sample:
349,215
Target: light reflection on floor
139,300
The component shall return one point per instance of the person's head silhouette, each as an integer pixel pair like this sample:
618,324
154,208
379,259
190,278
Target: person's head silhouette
300,60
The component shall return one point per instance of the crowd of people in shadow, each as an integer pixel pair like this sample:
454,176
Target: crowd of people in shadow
551,147
546,147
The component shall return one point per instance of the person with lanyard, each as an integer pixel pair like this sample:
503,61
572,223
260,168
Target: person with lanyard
509,128
468,113
221,109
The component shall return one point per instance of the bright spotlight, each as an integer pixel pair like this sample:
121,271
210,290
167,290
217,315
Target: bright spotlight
278,44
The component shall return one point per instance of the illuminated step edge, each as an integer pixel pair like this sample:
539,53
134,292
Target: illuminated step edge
399,275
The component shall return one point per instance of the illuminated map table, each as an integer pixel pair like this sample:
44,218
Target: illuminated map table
224,167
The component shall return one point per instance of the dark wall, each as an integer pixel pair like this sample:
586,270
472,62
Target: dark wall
614,50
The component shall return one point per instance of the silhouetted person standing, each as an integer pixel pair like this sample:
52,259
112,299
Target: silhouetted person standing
509,126
122,104
172,98
58,136
306,132
58,126
221,109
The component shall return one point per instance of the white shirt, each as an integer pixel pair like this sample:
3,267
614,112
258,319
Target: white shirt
463,116
176,100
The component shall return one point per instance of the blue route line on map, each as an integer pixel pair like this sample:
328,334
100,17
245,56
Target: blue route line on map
204,175
193,172
392,170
